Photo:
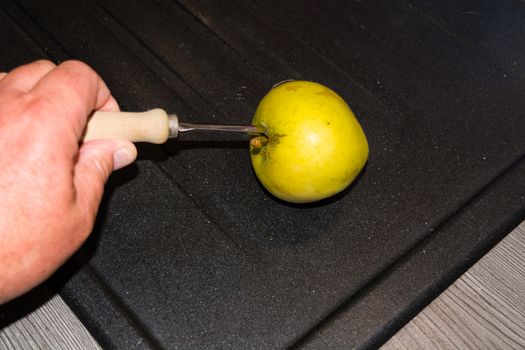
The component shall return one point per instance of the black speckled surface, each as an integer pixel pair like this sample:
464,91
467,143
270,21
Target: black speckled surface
190,252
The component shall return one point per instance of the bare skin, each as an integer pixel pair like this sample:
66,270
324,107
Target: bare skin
50,185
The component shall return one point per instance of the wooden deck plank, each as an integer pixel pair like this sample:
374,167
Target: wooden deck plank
52,325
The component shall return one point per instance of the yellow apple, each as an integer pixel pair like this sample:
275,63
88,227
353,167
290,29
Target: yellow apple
314,146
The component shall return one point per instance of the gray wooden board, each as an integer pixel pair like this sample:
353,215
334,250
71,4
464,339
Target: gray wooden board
50,324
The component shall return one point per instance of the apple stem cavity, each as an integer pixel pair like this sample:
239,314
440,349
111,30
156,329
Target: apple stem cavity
257,143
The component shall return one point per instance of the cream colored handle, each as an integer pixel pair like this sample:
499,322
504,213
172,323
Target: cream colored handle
150,126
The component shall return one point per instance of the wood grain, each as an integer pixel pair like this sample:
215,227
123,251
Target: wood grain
52,325
484,309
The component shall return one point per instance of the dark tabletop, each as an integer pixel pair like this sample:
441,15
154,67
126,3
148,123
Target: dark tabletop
189,250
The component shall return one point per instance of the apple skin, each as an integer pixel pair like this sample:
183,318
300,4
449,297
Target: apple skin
314,147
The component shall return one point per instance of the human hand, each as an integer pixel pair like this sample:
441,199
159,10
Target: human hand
50,185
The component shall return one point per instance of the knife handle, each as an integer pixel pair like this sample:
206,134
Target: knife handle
151,126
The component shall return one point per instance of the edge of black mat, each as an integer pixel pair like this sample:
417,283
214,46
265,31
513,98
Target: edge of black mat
375,313
370,317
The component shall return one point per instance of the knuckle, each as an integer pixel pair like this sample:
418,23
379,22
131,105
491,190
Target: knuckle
44,64
80,75
40,105
77,66
34,105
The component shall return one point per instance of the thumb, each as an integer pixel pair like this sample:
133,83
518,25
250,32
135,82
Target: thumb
97,159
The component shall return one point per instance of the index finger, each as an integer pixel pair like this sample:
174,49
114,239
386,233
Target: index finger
76,90
24,78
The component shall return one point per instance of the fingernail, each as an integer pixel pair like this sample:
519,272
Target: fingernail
122,157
